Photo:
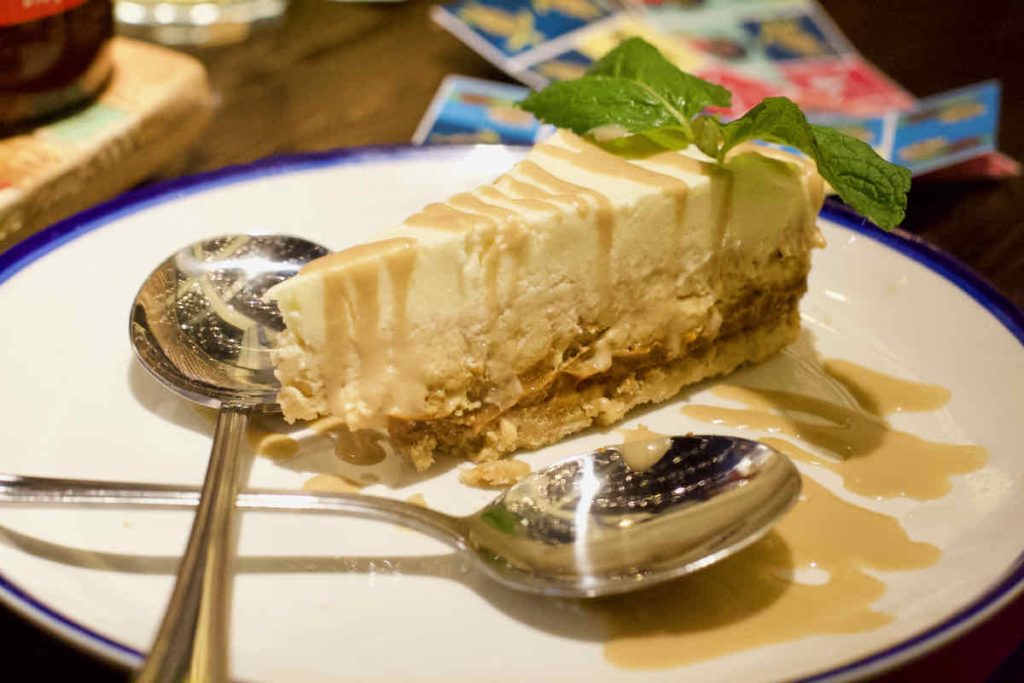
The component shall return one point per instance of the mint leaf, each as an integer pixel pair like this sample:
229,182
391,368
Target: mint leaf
775,119
637,60
633,87
871,185
594,101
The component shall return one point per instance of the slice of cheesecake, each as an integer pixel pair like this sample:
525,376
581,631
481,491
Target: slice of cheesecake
573,288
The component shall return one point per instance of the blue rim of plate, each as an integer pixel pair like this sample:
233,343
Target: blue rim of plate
31,249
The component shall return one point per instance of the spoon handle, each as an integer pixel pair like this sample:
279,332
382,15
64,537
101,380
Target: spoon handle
194,630
27,490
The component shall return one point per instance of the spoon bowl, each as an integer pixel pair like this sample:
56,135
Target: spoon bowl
200,325
597,524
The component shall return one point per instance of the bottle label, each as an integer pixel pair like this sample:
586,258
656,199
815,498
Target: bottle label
23,11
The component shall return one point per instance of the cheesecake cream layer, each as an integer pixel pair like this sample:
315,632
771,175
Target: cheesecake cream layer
573,264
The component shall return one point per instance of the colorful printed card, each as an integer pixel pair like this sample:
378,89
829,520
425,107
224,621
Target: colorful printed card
508,33
756,48
941,132
948,128
786,47
877,131
469,111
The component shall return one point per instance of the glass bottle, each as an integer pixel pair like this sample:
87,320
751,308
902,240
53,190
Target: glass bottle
54,55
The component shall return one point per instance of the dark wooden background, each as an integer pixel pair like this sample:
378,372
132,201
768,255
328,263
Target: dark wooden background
338,74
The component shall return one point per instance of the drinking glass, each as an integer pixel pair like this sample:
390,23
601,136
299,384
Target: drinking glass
195,22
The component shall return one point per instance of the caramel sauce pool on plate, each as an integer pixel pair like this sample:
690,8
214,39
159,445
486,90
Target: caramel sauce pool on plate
812,574
752,599
872,458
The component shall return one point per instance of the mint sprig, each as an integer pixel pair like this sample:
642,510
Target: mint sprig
636,90
867,182
678,92
590,102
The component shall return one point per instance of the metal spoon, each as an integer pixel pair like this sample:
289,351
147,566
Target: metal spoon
200,326
584,527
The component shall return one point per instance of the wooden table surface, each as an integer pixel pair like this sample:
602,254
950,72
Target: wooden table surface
338,74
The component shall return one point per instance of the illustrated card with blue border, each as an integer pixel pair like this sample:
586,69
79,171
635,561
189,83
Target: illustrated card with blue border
469,111
948,128
502,30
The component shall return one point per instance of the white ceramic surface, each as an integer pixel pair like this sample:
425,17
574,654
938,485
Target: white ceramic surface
333,599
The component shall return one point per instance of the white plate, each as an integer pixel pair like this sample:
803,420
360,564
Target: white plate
75,404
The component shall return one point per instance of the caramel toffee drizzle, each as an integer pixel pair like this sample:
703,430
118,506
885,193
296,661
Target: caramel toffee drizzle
266,440
516,237
725,187
638,433
534,193
492,254
447,217
400,268
468,212
565,190
469,202
639,458
591,159
484,239
550,200
687,164
757,597
881,394
361,447
594,160
605,216
363,311
353,314
494,194
873,458
272,439
330,483
806,577
538,185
